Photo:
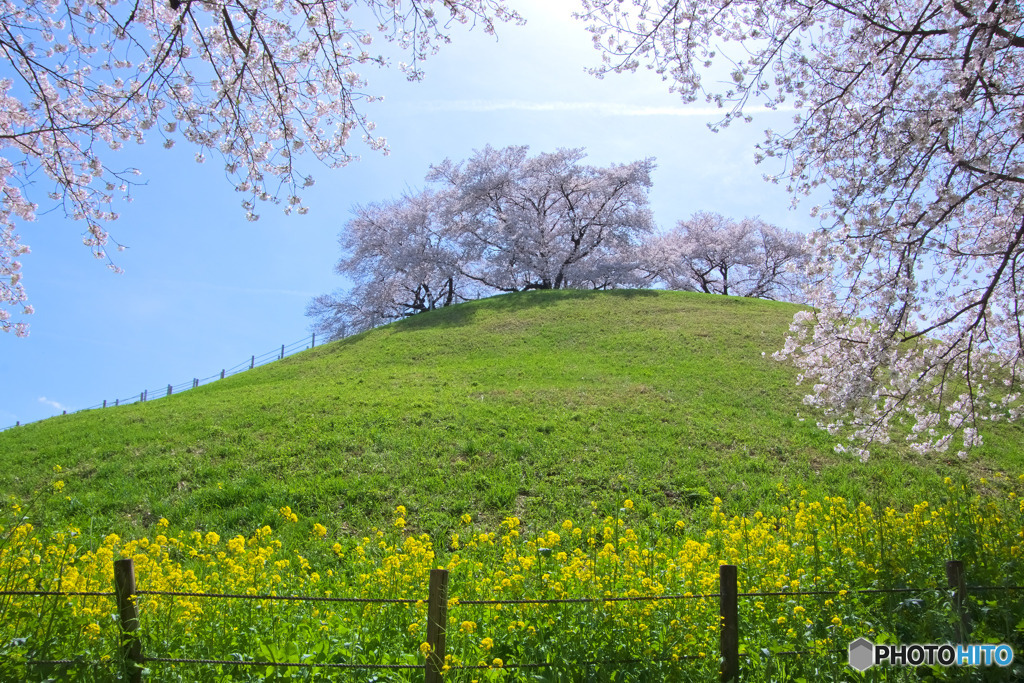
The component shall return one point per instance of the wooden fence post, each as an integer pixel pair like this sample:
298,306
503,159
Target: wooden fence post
252,362
117,402
282,351
104,403
313,345
170,390
729,637
222,374
437,623
957,582
131,646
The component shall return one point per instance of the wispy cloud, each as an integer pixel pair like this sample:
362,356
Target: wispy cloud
260,290
52,404
602,108
181,284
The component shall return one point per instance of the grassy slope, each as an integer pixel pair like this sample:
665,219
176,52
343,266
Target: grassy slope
531,404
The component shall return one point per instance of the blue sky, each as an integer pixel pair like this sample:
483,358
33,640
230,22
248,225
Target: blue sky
203,289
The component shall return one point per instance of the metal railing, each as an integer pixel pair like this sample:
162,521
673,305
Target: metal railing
254,361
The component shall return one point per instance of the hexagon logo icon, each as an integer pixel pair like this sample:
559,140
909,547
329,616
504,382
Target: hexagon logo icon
862,654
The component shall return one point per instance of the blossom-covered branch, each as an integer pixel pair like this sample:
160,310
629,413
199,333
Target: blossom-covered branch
261,82
908,112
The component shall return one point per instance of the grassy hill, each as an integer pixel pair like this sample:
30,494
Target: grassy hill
536,404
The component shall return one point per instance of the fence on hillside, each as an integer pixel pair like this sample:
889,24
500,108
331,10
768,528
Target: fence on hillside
434,667
254,361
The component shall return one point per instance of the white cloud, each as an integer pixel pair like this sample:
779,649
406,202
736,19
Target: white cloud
52,404
234,288
603,108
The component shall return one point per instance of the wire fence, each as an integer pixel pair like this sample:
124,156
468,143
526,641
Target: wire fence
436,667
162,391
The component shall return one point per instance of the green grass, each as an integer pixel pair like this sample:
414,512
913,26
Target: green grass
534,405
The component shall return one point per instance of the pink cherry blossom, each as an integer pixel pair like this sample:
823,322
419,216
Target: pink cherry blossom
260,81
501,221
908,113
710,253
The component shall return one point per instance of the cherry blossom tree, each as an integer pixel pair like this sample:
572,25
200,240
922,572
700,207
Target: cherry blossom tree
716,255
908,112
548,221
401,258
501,221
259,82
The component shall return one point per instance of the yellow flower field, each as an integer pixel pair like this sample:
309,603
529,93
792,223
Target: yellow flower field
831,547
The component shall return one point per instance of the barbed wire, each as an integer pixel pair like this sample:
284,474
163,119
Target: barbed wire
338,665
592,662
235,662
456,667
621,598
101,594
294,598
838,592
456,601
303,665
831,650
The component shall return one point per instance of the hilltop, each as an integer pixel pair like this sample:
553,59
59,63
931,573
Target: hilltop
534,404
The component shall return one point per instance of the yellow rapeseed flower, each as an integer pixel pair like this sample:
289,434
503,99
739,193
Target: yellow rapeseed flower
237,544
